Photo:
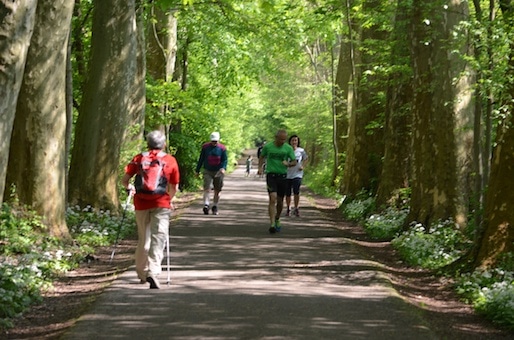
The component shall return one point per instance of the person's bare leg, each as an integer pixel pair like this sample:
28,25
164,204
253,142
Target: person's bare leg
280,206
272,207
296,212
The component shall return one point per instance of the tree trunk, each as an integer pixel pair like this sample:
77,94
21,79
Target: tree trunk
16,29
498,237
162,44
162,51
464,79
342,109
80,20
365,146
434,185
136,114
101,124
69,111
37,161
396,172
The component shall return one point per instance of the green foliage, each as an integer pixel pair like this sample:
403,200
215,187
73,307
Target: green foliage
187,151
162,97
319,179
387,224
360,208
91,228
17,230
491,291
434,248
30,260
20,285
248,75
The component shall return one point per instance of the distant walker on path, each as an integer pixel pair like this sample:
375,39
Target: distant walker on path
213,159
249,161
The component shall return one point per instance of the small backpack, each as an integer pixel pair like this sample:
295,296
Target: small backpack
150,178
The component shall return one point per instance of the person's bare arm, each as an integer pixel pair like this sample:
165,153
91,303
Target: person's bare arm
172,190
125,181
304,163
290,164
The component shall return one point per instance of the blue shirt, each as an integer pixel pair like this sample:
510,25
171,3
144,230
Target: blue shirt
212,157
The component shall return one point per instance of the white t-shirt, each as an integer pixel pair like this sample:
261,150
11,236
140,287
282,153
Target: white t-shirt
295,172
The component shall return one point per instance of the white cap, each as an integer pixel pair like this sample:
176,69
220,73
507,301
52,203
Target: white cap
215,136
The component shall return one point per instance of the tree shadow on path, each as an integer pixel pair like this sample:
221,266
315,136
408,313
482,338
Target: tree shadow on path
320,278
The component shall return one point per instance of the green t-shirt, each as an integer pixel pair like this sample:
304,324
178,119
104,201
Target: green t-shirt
275,155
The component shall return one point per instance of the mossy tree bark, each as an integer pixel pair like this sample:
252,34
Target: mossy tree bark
396,166
441,126
365,145
498,236
102,120
16,28
37,165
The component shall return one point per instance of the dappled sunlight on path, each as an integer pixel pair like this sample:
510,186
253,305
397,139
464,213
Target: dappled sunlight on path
230,279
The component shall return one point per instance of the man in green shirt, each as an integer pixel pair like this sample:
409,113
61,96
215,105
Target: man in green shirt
279,156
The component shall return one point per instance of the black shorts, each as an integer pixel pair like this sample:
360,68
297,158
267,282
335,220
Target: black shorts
276,183
293,185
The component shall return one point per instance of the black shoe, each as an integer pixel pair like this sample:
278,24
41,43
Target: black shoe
215,210
272,230
206,210
154,283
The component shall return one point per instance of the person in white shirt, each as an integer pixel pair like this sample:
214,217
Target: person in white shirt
294,176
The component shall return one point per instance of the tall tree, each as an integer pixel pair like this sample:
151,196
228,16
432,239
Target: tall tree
434,190
395,171
341,103
463,80
16,29
161,43
37,158
137,103
103,113
498,237
365,145
161,53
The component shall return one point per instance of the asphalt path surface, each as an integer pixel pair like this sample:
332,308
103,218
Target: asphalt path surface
231,279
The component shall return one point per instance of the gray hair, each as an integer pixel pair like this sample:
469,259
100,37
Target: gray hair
156,140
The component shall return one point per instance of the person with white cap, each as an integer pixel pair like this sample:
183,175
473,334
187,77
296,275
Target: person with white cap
213,159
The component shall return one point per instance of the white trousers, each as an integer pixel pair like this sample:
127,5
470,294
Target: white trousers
152,232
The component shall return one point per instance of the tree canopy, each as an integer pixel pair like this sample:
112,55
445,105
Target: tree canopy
388,97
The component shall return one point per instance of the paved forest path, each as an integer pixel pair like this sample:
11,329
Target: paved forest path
231,279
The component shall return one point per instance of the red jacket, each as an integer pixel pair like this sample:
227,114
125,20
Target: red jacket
171,172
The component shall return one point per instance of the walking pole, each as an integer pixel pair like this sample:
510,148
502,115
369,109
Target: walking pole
168,251
121,224
168,256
